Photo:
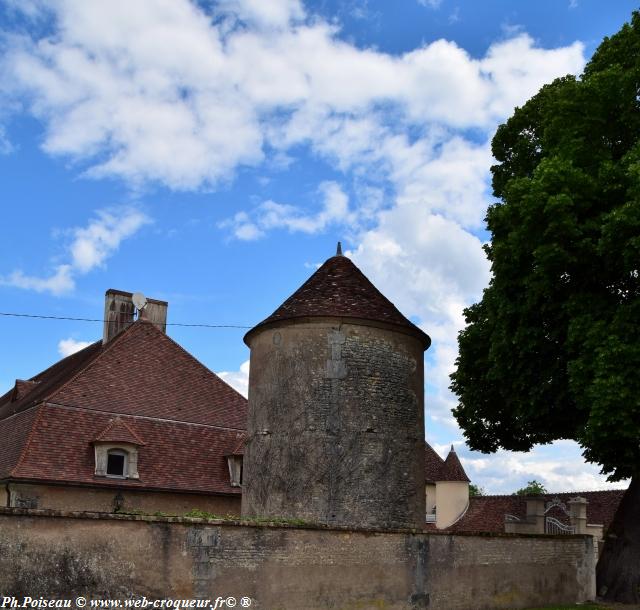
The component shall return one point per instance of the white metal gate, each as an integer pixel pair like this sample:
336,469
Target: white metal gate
553,525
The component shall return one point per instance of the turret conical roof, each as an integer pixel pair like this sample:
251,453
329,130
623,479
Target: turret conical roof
452,469
339,289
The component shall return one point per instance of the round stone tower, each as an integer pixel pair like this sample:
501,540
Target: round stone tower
336,414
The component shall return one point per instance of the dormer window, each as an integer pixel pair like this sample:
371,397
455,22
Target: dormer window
116,451
235,470
117,463
234,461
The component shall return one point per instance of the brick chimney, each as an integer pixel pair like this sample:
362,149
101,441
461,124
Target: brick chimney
119,313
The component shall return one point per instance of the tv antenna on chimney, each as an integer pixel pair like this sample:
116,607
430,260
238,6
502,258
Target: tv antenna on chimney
139,300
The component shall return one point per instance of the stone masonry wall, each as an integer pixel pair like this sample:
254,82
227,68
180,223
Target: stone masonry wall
70,498
336,425
63,555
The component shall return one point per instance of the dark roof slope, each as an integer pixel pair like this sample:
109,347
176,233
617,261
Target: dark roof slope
436,469
452,469
486,513
339,289
176,456
433,463
48,381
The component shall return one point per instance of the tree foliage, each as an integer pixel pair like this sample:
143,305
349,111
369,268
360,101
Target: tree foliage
533,488
552,351
475,490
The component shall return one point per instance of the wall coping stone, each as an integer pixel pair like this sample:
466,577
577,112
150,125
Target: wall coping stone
62,514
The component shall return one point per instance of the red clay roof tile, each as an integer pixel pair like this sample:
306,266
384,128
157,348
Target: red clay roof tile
487,513
176,456
433,463
118,431
14,432
184,417
22,388
339,289
452,469
144,372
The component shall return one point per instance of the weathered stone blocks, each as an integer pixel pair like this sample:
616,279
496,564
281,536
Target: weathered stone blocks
336,424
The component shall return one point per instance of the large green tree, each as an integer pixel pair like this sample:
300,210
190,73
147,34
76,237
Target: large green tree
552,351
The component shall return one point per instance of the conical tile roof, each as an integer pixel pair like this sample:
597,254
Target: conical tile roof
339,289
452,469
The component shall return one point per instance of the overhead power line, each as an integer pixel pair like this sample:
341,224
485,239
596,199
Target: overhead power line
28,315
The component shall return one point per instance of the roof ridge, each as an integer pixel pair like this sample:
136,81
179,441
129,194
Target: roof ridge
57,362
27,444
15,392
59,405
434,451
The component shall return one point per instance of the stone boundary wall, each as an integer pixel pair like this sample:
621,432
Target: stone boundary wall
55,554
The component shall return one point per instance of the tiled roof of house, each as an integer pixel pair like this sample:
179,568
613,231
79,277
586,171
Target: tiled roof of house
118,431
339,289
433,463
487,513
142,371
238,448
49,380
183,416
22,388
14,432
176,456
436,469
452,469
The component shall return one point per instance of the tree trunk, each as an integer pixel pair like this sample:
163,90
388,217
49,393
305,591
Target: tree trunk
618,570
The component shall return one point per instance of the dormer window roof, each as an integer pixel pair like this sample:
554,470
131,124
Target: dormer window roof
119,431
234,461
116,451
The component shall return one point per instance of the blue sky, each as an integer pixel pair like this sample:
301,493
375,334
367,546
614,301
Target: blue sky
212,155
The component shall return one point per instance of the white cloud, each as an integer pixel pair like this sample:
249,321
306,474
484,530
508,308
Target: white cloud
69,346
60,282
430,3
430,268
5,145
89,248
272,215
239,380
559,467
164,91
91,245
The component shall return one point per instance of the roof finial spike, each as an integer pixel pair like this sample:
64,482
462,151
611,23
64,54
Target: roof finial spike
452,448
339,249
